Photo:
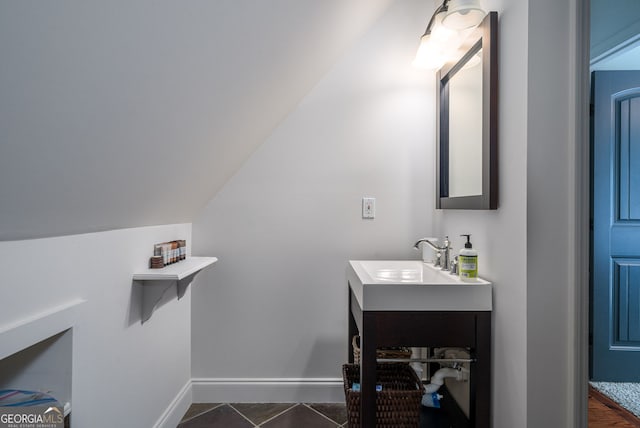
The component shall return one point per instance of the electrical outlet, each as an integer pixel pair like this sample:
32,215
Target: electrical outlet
368,207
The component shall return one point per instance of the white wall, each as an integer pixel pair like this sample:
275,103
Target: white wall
105,101
139,370
500,236
551,220
287,222
285,225
527,246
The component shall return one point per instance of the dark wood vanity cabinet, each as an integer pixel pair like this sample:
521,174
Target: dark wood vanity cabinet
466,329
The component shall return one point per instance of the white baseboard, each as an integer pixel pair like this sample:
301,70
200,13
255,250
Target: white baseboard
244,390
177,408
288,390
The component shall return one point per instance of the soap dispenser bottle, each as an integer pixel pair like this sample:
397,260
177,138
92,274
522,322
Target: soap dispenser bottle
468,262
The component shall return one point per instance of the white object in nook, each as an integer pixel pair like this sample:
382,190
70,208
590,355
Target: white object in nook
368,207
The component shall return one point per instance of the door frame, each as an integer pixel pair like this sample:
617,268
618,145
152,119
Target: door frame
580,205
579,355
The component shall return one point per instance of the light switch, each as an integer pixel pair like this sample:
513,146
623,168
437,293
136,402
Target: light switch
368,207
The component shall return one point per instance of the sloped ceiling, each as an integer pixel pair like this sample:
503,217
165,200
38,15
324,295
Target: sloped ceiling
119,114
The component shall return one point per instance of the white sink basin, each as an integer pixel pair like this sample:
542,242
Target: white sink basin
411,285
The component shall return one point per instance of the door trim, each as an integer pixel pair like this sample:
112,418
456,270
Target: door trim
580,206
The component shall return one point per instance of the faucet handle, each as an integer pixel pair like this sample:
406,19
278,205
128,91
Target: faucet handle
437,261
453,266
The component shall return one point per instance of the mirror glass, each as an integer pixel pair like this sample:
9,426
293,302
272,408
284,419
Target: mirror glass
467,123
465,129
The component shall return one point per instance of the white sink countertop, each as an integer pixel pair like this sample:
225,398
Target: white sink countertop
411,285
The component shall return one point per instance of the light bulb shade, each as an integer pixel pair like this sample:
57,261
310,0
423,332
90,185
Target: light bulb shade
462,14
434,49
430,55
440,33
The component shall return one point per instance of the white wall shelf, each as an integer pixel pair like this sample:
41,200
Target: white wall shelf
156,282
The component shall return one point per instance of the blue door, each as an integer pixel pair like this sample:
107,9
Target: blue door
615,285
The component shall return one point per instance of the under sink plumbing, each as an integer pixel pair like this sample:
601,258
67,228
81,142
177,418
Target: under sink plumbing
451,362
437,380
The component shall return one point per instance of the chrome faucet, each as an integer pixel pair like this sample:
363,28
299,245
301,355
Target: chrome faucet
444,251
453,266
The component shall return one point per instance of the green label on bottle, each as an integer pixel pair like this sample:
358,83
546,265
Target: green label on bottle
468,266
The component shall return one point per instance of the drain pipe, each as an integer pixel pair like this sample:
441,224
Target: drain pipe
431,398
437,380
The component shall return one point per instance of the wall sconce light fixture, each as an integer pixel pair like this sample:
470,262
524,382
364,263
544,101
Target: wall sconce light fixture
445,32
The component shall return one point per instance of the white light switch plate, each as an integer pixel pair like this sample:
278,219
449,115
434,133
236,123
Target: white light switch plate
368,207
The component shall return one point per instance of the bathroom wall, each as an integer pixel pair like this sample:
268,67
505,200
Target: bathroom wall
101,99
500,236
286,223
275,307
526,246
122,370
552,252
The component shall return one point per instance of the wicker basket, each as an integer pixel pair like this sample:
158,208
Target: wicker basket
397,404
380,352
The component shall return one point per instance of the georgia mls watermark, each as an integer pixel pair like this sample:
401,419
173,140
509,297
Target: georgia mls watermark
31,417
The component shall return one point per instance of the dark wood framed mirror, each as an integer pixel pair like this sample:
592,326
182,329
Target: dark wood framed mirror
467,123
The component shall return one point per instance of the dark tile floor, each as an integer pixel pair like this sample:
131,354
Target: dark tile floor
285,415
266,415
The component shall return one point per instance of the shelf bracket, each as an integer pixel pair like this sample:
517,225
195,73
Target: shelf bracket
154,291
183,284
155,283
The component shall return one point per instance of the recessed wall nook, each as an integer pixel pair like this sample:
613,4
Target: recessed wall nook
37,356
